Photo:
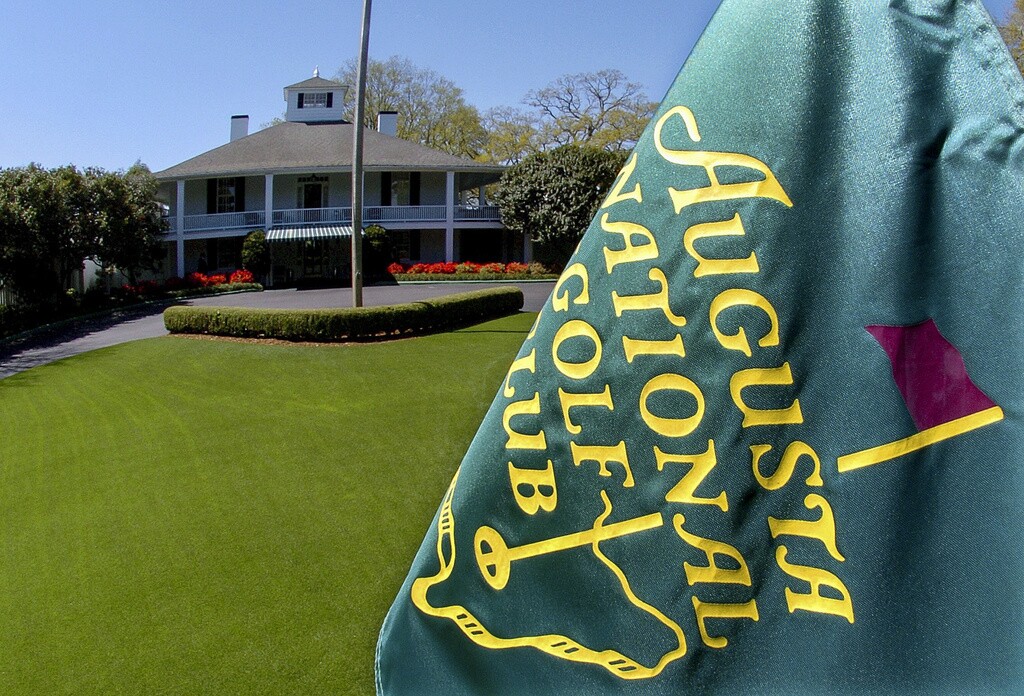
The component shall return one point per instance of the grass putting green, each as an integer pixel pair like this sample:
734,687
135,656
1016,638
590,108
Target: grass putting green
187,516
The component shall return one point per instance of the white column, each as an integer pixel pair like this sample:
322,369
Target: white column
179,227
268,201
527,248
449,217
483,197
268,222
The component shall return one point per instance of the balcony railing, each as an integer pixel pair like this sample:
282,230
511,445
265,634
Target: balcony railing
404,213
300,216
223,221
485,213
381,214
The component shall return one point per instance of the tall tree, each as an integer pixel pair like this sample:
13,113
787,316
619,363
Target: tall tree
47,228
432,110
552,196
127,220
511,135
1012,30
51,220
602,109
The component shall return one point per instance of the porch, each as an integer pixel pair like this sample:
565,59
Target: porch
392,216
443,202
319,251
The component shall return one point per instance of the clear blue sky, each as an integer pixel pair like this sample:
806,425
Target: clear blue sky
107,82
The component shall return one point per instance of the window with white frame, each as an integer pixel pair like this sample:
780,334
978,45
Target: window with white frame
400,188
225,195
313,100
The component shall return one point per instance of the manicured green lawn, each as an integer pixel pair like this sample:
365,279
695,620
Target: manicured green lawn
189,516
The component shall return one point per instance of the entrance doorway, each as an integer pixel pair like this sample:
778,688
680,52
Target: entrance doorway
311,194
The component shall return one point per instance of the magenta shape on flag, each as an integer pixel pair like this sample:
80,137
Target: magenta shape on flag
930,374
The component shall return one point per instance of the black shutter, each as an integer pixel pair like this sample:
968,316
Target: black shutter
330,100
211,256
302,97
414,188
385,188
211,196
414,245
239,194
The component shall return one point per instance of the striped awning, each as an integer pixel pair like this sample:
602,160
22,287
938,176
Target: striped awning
283,234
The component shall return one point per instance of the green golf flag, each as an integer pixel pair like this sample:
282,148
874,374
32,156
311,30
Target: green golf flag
766,435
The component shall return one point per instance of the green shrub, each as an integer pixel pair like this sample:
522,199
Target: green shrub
378,251
256,253
214,290
347,324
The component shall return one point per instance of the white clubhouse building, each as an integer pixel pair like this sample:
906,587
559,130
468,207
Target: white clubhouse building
293,180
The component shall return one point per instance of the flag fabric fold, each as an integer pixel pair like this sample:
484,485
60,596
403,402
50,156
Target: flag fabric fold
701,474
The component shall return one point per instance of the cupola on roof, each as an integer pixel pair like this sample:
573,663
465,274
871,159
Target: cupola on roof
315,100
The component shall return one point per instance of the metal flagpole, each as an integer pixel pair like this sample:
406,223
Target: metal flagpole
357,162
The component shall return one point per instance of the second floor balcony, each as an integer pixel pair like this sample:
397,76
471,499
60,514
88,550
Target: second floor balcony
433,215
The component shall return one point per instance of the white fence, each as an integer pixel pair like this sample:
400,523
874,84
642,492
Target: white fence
7,297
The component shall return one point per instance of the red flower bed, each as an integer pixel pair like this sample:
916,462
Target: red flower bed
448,268
146,287
192,280
200,280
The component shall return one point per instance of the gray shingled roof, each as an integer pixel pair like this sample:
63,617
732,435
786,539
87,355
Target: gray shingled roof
312,147
316,83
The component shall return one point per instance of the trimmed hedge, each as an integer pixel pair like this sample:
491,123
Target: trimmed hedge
213,290
347,324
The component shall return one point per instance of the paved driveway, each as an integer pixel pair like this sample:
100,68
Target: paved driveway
147,322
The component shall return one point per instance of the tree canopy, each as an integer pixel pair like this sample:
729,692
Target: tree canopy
1012,30
127,220
511,135
46,229
432,110
51,220
553,196
601,109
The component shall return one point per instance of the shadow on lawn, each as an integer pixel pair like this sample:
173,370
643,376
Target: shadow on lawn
21,366
70,329
53,342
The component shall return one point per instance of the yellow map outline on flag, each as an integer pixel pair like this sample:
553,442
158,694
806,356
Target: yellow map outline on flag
556,645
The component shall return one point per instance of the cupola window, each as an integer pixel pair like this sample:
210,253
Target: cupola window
315,100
